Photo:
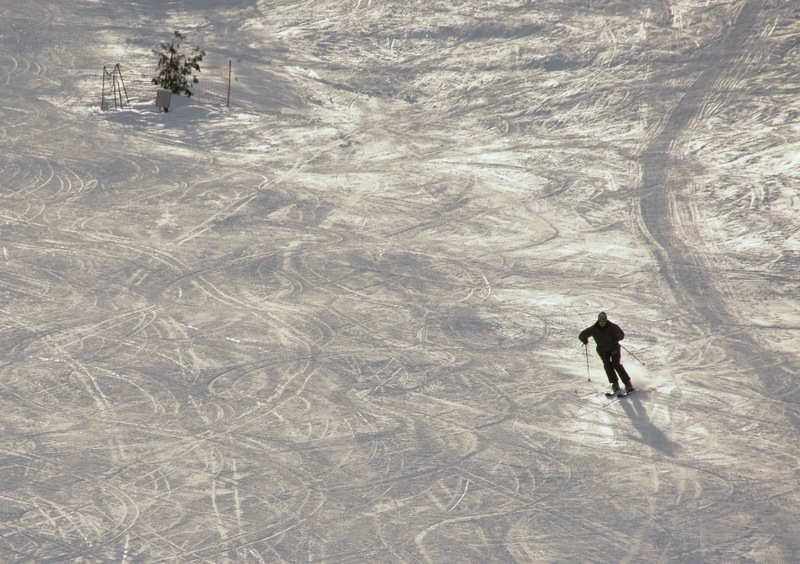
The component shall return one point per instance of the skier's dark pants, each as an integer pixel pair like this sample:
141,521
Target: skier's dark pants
612,366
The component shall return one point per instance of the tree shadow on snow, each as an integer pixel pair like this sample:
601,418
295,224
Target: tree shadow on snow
650,434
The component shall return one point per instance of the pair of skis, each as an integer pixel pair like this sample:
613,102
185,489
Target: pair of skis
619,393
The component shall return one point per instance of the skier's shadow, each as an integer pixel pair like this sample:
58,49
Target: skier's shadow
650,434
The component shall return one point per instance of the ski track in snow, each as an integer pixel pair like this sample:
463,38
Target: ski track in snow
337,321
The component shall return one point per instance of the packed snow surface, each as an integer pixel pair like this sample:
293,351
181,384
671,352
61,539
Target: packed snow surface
336,320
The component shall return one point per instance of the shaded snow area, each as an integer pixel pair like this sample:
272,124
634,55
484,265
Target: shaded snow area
337,320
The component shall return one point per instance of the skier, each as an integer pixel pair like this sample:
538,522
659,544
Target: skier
607,336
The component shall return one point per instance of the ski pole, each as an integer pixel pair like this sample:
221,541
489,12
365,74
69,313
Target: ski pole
634,356
588,373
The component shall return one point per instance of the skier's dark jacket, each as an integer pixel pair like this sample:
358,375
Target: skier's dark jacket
607,338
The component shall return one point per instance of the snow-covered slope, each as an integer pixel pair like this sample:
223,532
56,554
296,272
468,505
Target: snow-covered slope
337,320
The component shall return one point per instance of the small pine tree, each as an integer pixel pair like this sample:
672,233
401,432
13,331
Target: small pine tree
175,68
